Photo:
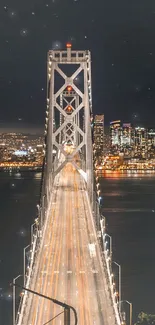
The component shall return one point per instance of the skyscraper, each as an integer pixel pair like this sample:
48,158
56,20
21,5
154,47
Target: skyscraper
99,133
126,135
140,141
115,135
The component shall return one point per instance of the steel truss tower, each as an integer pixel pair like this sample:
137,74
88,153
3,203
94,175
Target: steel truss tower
68,114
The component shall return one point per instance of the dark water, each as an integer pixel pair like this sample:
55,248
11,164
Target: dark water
18,198
128,201
129,207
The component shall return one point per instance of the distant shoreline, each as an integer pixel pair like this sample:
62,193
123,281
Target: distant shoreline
99,171
18,169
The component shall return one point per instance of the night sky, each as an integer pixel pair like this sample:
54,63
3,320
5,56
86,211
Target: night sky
120,35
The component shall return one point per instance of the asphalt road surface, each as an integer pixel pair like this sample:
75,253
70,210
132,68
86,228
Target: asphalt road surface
69,266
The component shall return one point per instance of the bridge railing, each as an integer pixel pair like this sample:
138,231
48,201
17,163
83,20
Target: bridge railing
108,262
28,275
36,236
106,258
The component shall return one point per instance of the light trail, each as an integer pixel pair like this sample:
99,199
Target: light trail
66,270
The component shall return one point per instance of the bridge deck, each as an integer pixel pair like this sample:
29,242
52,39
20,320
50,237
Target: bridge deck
68,268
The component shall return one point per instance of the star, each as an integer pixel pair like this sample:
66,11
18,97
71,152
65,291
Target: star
12,14
56,45
24,32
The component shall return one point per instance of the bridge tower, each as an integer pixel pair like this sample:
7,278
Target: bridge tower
68,114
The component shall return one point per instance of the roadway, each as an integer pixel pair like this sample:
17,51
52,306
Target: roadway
68,269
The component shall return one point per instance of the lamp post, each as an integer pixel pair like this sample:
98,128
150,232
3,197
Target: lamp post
130,305
24,261
120,289
104,221
66,307
32,226
14,298
42,212
110,238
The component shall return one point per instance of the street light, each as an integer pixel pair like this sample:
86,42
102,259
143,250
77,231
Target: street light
66,307
110,238
120,289
103,220
14,298
32,226
130,304
24,261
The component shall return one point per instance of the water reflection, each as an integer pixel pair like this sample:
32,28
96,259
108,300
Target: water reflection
126,174
129,208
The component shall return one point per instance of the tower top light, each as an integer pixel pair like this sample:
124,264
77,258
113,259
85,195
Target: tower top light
68,45
69,88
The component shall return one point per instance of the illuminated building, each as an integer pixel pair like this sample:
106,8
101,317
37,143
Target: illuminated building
20,147
126,135
151,137
140,142
99,134
140,136
115,136
151,143
115,133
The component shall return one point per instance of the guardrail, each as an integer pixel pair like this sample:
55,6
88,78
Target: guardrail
108,261
101,226
43,212
28,276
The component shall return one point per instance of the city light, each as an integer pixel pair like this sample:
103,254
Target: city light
124,147
21,150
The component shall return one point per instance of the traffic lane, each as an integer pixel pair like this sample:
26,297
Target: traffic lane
52,249
57,230
99,279
65,277
56,282
79,291
83,272
38,303
59,279
37,283
91,277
